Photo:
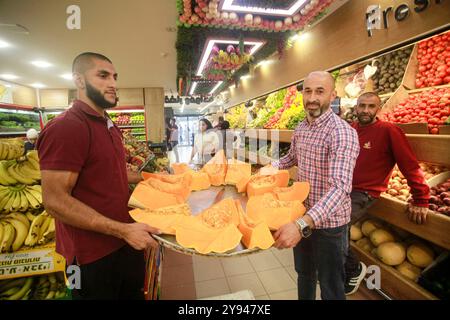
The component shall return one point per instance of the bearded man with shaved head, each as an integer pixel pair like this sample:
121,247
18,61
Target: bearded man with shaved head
324,148
85,188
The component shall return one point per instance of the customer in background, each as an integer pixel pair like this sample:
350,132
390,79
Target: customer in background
206,143
325,148
382,145
30,144
173,139
167,133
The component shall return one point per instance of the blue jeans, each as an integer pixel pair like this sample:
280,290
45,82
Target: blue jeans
322,257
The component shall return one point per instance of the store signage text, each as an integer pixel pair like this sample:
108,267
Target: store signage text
375,16
25,263
374,279
73,21
73,273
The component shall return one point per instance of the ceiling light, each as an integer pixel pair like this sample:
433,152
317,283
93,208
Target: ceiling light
4,44
67,76
256,45
8,76
207,106
38,85
8,85
193,87
264,63
216,87
229,6
41,64
183,105
304,36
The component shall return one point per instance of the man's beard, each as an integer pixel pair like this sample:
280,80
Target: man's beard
96,97
365,119
317,112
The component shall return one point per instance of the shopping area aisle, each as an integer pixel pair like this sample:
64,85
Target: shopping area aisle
184,153
269,275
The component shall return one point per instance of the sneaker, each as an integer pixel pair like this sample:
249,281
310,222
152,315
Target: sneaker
353,283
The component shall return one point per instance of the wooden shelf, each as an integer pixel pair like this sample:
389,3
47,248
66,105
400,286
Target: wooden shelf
131,126
435,230
430,147
393,283
414,91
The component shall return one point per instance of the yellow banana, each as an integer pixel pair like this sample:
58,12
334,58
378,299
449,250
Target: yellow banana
23,291
20,233
33,163
8,237
30,216
21,217
4,200
36,194
23,201
49,233
16,175
16,204
1,232
34,203
33,232
8,206
5,178
44,226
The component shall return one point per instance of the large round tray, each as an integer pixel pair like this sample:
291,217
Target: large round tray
199,201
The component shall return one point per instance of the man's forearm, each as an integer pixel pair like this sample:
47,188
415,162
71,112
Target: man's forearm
73,212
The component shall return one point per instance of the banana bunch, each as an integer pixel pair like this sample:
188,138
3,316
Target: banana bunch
17,230
24,171
16,289
11,149
45,287
20,198
51,286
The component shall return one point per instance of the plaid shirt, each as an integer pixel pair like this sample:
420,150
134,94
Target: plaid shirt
325,152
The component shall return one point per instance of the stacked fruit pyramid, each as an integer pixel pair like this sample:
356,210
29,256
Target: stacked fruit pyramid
161,201
24,223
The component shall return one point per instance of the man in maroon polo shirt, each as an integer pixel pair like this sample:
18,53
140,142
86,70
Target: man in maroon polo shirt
85,187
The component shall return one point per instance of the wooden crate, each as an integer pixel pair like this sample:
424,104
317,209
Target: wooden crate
409,79
393,211
430,147
393,283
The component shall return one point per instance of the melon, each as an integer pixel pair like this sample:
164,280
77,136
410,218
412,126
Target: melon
355,233
368,226
391,253
408,270
365,244
420,255
380,236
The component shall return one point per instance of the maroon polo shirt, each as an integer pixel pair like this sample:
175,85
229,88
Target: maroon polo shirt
80,140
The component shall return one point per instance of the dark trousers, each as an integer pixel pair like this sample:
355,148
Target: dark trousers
119,275
322,257
361,201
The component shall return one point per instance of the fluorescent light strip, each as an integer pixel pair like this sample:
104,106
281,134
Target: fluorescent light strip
67,76
8,76
216,87
183,105
193,87
38,85
229,6
256,45
4,44
207,106
41,64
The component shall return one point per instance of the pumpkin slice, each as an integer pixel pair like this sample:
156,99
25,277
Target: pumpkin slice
241,186
216,168
236,171
260,184
163,218
200,181
179,168
147,197
254,234
274,212
175,184
214,230
298,191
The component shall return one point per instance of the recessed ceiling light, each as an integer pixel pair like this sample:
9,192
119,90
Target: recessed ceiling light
4,44
38,85
228,5
41,64
8,76
67,76
8,85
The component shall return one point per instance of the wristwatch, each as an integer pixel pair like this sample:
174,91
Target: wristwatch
303,227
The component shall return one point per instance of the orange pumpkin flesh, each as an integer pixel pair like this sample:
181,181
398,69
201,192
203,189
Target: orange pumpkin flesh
147,197
236,171
174,184
163,218
261,184
200,181
298,191
214,230
254,234
216,168
274,212
179,168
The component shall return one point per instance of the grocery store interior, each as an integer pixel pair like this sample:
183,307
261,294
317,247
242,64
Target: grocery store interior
243,61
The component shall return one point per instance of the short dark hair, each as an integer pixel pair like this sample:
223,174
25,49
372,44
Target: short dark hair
368,95
221,118
83,61
207,122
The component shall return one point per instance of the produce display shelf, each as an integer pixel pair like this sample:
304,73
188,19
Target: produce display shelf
393,283
435,230
413,91
150,158
13,133
430,147
138,133
131,126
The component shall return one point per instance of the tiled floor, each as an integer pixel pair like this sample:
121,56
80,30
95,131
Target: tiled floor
269,275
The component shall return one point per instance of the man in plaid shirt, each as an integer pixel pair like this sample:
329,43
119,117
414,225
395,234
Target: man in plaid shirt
325,148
